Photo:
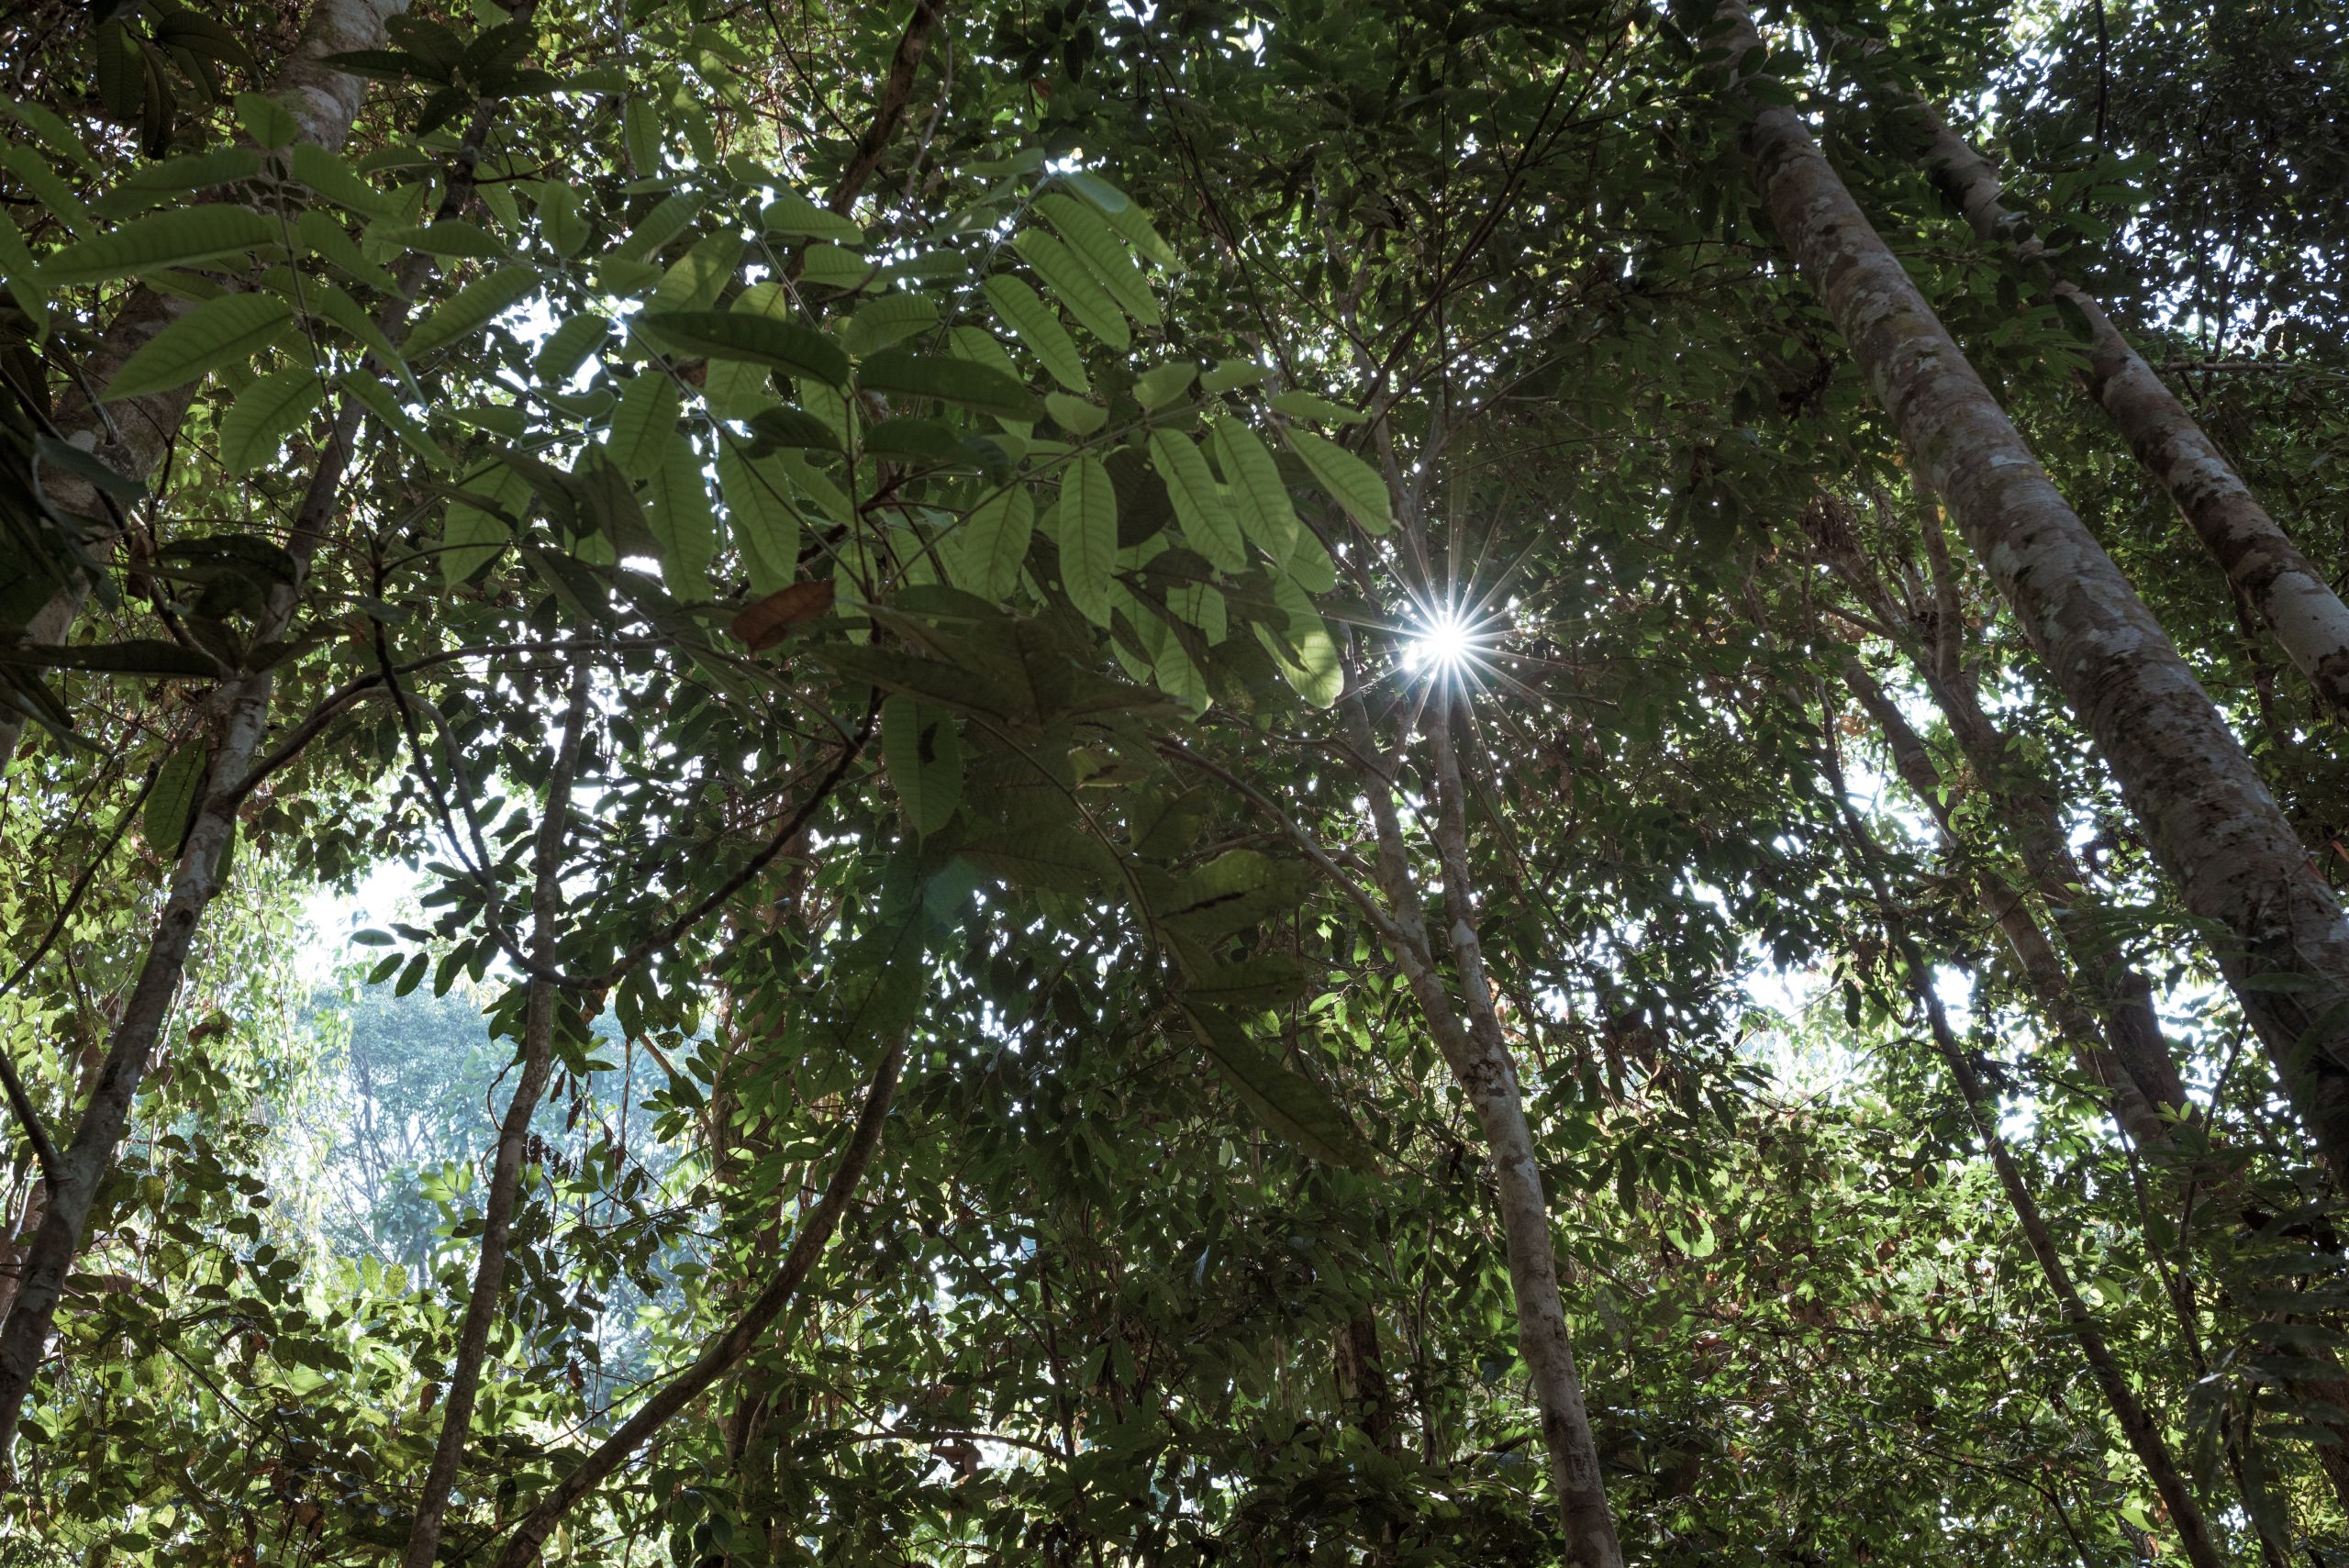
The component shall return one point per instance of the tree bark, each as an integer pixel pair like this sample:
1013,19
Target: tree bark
729,1349
2290,596
2209,817
1478,1054
513,1144
133,435
897,89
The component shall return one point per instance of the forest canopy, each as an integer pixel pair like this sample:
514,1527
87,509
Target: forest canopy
1555,782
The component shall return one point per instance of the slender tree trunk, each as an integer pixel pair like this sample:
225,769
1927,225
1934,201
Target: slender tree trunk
1360,1372
513,1143
1478,1054
133,435
2210,819
2291,597
727,1350
241,705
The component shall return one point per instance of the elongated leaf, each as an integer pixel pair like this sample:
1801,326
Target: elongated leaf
761,340
1255,490
1055,860
888,321
1283,1099
978,386
677,508
1155,388
131,656
925,759
1074,286
384,404
1088,538
770,619
991,545
664,223
265,414
229,329
473,535
323,234
334,305
335,179
1208,523
1310,662
472,307
449,237
793,214
559,217
1104,253
1310,405
760,516
644,424
1033,322
179,239
696,279
171,805
568,346
1353,482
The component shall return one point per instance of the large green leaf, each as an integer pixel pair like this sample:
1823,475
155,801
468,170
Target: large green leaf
1088,536
330,177
1076,287
643,423
1353,482
925,759
472,536
180,239
472,307
1208,523
227,330
760,516
759,339
1032,321
1255,490
384,404
265,414
676,507
990,546
1103,253
1049,858
973,385
1283,1099
171,805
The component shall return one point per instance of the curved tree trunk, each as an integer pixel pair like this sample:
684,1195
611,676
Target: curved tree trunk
134,434
2291,597
2208,815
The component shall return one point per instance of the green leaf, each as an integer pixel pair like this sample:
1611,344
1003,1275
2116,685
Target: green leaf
384,404
566,229
1054,860
52,194
677,508
322,234
978,386
1285,1100
472,307
1074,414
1153,388
888,321
643,423
1310,664
792,214
1208,523
1088,538
760,516
265,414
1353,482
761,340
267,121
1074,287
795,215
670,217
227,330
171,805
330,177
696,279
567,348
641,131
990,547
334,306
180,239
1252,476
831,266
925,760
473,535
1104,253
1033,322
449,237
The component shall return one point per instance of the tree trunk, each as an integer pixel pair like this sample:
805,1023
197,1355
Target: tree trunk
2292,597
133,435
513,1144
2210,819
1478,1054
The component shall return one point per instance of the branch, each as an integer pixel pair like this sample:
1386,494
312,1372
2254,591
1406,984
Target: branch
890,108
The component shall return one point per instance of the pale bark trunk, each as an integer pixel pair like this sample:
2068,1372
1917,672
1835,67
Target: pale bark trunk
729,1349
134,434
2290,596
2210,819
513,1144
1481,1063
241,705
